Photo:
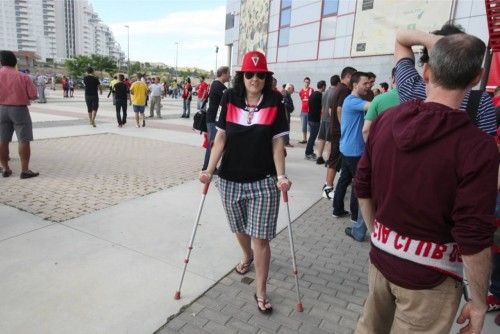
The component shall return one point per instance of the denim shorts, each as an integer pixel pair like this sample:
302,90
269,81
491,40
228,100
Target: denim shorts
251,207
138,108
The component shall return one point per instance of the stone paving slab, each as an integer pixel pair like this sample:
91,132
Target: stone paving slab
80,175
333,273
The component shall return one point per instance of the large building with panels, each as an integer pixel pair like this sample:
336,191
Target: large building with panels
317,38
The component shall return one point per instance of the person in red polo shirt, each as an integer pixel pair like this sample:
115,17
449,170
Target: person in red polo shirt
304,94
202,93
15,96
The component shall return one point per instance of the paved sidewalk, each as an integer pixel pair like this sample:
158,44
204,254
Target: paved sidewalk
333,280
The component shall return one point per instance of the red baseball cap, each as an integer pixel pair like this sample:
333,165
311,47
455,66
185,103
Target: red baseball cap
254,61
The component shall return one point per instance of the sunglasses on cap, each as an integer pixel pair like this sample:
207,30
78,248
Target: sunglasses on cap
260,75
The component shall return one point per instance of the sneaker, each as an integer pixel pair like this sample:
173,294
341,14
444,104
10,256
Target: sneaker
303,142
340,215
328,193
138,126
143,123
288,145
320,161
493,302
311,156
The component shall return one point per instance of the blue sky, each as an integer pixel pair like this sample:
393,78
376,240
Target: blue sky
155,26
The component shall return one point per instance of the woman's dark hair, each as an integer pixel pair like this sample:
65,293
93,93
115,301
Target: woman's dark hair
8,58
447,29
239,85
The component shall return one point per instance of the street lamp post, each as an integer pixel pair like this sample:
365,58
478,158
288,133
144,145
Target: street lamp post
216,54
176,56
128,51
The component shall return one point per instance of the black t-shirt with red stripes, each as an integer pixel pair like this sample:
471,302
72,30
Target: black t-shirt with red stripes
248,154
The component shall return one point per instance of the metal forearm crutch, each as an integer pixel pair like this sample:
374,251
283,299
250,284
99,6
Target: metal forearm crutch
298,307
191,241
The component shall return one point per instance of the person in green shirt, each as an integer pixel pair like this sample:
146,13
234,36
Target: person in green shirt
380,104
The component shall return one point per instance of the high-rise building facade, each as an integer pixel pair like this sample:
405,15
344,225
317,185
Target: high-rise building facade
55,29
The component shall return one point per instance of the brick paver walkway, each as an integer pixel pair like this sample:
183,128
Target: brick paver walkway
333,279
80,175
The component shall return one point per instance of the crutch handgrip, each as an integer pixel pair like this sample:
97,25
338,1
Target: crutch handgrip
285,196
205,188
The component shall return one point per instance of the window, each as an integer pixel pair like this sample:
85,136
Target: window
330,7
286,15
286,4
284,37
285,18
328,27
229,21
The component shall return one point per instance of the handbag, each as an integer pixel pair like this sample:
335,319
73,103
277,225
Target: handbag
200,121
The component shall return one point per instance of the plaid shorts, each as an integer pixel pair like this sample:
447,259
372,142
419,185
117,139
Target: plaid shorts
252,207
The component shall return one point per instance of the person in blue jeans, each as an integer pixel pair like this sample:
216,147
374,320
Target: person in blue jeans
214,97
314,118
493,299
352,146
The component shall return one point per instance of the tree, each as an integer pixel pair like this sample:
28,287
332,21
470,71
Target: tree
135,68
78,65
103,63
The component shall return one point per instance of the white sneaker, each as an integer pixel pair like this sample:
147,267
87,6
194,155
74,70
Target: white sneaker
328,193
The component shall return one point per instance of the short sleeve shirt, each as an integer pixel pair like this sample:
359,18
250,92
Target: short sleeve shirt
248,154
411,86
341,92
91,84
138,92
315,107
351,127
202,90
121,90
325,104
381,103
304,97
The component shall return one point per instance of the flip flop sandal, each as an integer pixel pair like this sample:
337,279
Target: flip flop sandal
266,308
243,267
28,174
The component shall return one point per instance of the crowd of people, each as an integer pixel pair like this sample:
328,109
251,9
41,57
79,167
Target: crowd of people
419,154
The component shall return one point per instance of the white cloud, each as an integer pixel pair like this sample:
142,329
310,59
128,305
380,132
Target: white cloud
197,33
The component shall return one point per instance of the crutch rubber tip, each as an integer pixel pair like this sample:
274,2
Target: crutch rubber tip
299,308
177,295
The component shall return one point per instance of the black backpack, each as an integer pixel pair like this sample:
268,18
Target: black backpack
200,121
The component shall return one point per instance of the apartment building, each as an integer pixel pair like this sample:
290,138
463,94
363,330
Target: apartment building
55,29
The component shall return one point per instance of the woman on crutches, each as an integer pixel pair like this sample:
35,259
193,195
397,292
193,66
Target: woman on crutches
249,140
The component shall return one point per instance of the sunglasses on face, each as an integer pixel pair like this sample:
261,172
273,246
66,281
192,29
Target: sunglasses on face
250,75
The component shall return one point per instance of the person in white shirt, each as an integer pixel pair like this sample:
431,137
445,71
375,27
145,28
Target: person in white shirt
156,91
40,82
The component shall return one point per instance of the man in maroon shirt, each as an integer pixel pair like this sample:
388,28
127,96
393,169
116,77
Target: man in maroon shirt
15,95
427,186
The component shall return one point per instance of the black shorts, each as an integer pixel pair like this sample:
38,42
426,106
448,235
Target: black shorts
92,103
335,158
